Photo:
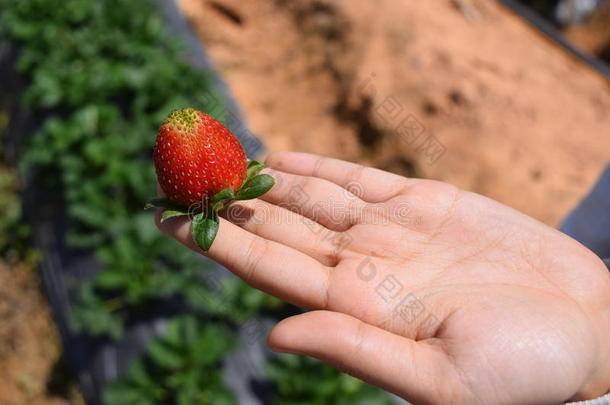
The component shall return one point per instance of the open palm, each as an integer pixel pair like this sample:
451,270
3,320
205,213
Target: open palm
436,294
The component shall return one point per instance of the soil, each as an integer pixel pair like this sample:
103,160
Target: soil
460,91
31,371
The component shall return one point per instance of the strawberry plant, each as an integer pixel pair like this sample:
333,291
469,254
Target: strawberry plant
102,93
306,381
102,75
180,368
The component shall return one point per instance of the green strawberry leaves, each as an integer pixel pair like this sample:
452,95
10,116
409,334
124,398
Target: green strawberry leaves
254,167
255,184
167,214
204,229
171,210
226,194
162,202
255,187
205,221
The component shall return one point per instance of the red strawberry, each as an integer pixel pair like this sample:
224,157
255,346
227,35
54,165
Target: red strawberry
196,157
202,167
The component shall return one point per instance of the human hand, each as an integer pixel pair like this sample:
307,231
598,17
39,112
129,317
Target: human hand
433,293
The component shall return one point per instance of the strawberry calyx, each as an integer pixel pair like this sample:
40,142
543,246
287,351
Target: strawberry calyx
204,215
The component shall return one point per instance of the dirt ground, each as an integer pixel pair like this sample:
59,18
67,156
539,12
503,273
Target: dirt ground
30,371
461,91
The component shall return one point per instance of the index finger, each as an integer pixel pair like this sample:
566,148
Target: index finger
270,266
369,184
267,265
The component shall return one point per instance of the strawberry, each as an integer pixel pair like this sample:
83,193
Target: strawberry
196,157
201,167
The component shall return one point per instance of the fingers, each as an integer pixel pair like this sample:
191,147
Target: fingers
317,199
264,264
416,371
286,227
370,184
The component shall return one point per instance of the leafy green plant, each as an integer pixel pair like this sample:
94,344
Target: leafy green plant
306,381
181,368
14,234
102,76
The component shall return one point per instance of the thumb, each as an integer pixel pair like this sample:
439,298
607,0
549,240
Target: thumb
419,372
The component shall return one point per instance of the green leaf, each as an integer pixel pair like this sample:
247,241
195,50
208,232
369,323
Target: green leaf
212,344
254,167
255,187
225,194
162,202
188,325
204,229
167,214
173,334
112,279
121,393
165,356
222,396
139,375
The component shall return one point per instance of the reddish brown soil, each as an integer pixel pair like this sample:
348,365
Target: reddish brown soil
376,82
29,345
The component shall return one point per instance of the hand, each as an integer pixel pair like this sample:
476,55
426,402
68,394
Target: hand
434,293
